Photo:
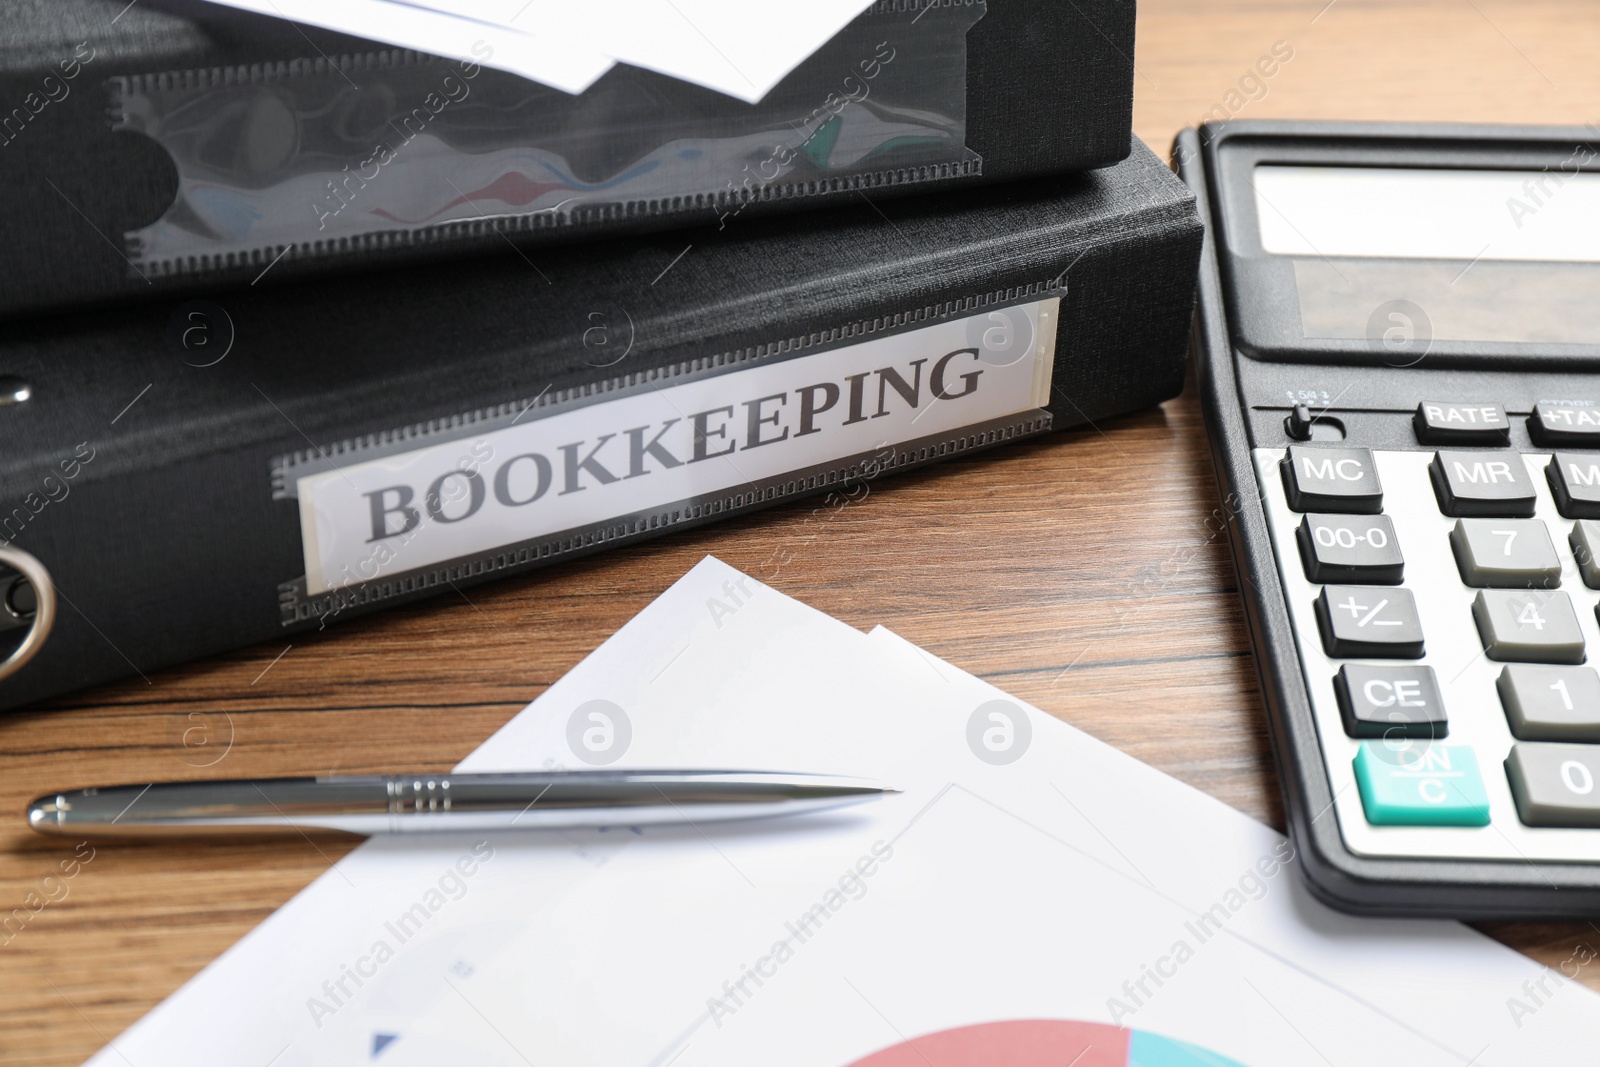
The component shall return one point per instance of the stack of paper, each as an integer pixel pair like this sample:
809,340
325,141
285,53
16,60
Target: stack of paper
736,47
1033,896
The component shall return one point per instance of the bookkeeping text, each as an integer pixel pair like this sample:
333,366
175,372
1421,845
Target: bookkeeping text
648,451
459,492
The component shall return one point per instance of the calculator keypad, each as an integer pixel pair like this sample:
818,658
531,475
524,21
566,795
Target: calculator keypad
1444,610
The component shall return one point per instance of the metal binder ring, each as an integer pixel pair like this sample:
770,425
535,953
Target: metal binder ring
44,616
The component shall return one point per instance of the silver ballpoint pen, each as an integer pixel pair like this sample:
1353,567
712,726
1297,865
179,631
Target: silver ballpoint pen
420,803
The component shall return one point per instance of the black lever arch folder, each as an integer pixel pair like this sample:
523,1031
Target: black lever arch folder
181,145
198,476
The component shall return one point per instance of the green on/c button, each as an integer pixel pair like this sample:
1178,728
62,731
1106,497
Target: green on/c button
1421,785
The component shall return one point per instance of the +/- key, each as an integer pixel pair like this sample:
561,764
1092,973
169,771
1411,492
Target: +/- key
1369,620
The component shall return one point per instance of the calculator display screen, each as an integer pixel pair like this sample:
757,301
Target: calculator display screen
1487,255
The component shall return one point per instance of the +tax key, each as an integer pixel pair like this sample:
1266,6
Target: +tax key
1555,424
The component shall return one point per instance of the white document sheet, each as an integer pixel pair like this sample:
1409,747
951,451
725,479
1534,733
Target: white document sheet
739,48
736,47
561,64
1070,883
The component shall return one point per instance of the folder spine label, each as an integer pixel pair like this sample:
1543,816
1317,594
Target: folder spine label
576,470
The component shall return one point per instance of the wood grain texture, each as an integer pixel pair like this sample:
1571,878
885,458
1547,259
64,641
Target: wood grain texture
1087,573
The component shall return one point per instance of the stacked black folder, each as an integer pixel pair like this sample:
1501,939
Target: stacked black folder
203,462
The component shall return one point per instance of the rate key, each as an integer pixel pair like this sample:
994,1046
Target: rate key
1441,423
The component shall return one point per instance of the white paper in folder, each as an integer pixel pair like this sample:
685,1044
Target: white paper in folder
1031,888
737,47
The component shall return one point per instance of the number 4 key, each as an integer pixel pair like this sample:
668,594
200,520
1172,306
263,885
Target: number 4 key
1528,626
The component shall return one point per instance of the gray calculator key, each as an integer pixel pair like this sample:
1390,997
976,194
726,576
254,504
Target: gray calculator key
1505,553
1482,483
1332,479
1391,700
1551,703
1585,542
1440,422
1369,620
1565,424
1555,785
1350,548
1575,484
1528,626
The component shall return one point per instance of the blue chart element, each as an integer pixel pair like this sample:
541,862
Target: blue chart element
1153,1050
381,1042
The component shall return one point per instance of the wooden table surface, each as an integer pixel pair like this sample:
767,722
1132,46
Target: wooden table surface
1082,573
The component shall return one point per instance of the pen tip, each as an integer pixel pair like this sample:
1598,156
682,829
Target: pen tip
44,814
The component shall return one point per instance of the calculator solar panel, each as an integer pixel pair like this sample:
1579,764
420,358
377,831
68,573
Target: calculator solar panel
1399,345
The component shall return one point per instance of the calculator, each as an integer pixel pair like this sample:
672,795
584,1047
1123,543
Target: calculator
1398,347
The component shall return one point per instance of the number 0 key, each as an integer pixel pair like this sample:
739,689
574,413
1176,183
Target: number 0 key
1555,785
